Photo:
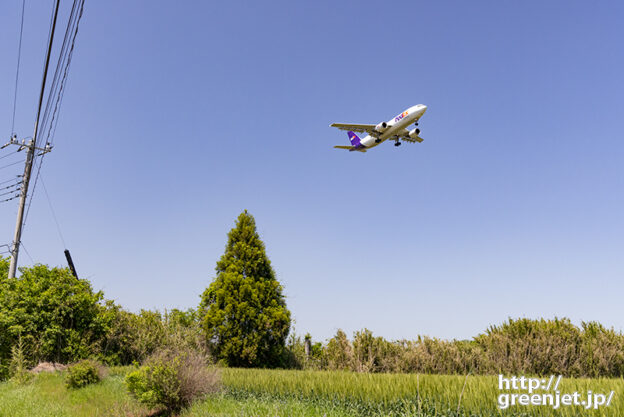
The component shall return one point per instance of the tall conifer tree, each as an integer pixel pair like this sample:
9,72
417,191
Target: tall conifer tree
244,311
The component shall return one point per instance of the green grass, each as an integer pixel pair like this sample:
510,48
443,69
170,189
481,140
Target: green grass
407,394
46,395
225,406
272,393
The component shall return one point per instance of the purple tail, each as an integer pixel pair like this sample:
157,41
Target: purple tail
355,139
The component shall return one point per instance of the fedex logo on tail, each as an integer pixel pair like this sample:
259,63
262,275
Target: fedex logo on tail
355,139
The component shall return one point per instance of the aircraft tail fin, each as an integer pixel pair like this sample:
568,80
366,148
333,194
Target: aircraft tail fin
355,139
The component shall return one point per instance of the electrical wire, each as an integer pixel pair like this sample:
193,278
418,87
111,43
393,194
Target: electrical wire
45,69
14,163
32,193
17,242
64,62
26,250
62,69
11,186
58,226
40,105
8,192
19,58
60,62
49,119
9,154
9,199
12,179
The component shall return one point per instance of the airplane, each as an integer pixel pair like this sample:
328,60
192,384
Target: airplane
394,129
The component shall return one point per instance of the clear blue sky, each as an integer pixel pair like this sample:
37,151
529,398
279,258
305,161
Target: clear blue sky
179,116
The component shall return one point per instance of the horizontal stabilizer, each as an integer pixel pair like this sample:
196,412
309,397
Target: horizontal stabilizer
350,148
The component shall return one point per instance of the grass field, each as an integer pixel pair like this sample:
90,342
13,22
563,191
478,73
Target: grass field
264,393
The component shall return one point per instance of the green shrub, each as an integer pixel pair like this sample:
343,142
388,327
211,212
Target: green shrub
173,379
18,369
134,337
55,315
339,352
83,373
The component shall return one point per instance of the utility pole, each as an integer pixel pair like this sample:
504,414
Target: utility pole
30,155
20,211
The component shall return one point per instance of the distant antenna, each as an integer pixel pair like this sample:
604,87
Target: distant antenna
71,263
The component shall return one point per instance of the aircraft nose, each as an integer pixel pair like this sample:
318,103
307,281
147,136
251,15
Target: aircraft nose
424,108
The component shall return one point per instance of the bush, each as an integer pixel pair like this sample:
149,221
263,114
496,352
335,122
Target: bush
295,356
83,373
339,352
55,315
521,346
173,379
134,337
18,369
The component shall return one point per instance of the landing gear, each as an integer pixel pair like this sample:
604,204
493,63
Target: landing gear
416,124
397,143
377,140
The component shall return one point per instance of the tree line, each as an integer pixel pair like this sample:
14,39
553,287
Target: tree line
46,314
520,346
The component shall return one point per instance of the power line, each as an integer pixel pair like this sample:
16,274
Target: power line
19,56
61,61
12,179
7,155
63,65
64,62
58,226
27,253
45,68
12,198
45,122
32,147
14,163
33,191
11,186
8,192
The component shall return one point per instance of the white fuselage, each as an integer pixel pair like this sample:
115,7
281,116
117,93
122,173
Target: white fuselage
396,125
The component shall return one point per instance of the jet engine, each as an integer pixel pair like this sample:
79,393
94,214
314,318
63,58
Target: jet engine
414,133
381,127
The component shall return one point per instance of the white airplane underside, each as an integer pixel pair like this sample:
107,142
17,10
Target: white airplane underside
395,129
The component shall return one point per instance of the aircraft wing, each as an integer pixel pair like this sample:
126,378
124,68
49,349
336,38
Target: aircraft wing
359,128
404,136
412,140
